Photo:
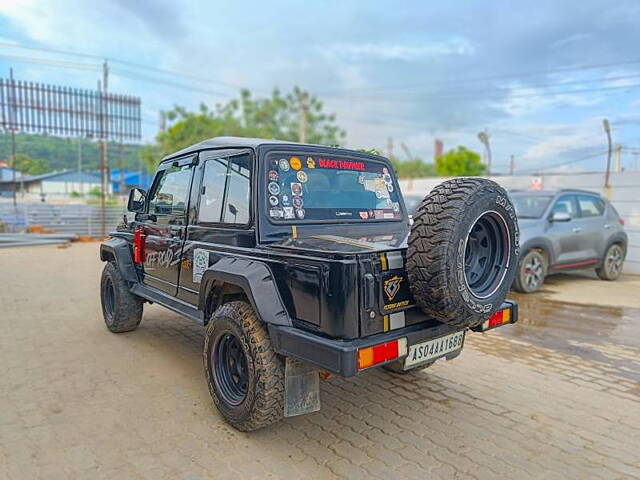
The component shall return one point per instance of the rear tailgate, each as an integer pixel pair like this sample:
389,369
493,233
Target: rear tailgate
387,300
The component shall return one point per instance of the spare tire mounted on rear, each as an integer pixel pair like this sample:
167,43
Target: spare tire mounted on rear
463,251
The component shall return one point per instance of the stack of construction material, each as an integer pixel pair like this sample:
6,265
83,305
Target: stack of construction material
33,239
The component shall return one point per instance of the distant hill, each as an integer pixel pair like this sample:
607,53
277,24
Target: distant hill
62,153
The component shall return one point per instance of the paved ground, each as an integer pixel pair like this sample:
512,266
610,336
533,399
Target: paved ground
554,397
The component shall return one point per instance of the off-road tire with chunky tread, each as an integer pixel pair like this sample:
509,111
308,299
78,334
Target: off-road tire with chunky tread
264,401
436,252
127,311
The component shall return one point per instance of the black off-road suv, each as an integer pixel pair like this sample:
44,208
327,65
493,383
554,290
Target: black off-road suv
301,259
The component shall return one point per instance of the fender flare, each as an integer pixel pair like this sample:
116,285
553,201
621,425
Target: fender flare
119,250
255,279
619,237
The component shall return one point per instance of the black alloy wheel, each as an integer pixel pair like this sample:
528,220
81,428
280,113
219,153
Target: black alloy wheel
486,254
230,367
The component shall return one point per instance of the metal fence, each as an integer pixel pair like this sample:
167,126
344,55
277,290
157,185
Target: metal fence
73,219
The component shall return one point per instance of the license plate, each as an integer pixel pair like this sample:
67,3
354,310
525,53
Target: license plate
433,349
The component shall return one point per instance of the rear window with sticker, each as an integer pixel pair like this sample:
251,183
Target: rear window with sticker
303,187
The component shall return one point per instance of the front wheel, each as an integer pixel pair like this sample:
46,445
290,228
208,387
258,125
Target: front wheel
531,272
121,309
244,374
612,263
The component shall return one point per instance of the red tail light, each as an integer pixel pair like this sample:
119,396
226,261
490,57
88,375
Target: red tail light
138,245
383,352
621,221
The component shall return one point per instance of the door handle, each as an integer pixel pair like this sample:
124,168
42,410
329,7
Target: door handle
577,230
607,225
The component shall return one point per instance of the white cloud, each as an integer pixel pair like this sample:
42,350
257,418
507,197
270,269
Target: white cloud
456,46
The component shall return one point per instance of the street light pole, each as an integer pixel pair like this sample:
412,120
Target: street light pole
607,129
484,138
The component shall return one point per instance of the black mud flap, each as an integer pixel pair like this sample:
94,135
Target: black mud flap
301,388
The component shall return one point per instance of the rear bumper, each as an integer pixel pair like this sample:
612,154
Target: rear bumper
340,356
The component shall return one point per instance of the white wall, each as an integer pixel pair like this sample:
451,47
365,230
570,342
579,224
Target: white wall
52,187
624,195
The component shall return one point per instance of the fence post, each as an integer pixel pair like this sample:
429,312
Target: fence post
89,215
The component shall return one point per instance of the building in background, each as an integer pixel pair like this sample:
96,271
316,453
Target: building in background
56,184
129,179
6,172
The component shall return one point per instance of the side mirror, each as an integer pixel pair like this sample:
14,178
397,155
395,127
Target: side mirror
560,217
137,197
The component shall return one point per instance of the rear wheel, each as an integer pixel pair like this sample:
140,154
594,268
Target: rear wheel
244,374
612,263
463,251
531,272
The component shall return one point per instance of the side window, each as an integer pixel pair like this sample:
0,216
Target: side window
565,204
171,193
226,193
590,206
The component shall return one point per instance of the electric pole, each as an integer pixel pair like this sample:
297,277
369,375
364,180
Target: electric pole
389,148
103,146
12,125
304,111
512,165
607,129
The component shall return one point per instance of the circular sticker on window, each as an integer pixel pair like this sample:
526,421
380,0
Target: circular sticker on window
274,188
273,175
361,179
300,213
283,164
387,178
390,187
302,176
385,170
273,200
310,162
378,194
295,163
297,202
296,189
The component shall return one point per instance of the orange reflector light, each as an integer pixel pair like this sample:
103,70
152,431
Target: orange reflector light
369,356
501,317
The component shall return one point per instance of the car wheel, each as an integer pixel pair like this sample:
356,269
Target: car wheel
463,251
244,374
612,263
121,309
531,272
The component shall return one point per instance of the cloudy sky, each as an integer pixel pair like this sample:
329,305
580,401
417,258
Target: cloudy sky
538,77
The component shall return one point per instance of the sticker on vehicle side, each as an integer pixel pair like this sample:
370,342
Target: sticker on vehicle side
200,263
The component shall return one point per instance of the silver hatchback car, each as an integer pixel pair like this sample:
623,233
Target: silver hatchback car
564,230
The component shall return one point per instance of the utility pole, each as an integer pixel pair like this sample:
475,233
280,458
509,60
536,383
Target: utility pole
304,111
607,129
512,165
103,151
121,166
12,126
406,151
80,165
389,148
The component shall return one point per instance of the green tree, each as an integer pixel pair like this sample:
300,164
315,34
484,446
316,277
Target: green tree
415,168
277,116
460,162
30,166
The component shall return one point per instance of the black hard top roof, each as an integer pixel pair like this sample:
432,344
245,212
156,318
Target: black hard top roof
254,143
